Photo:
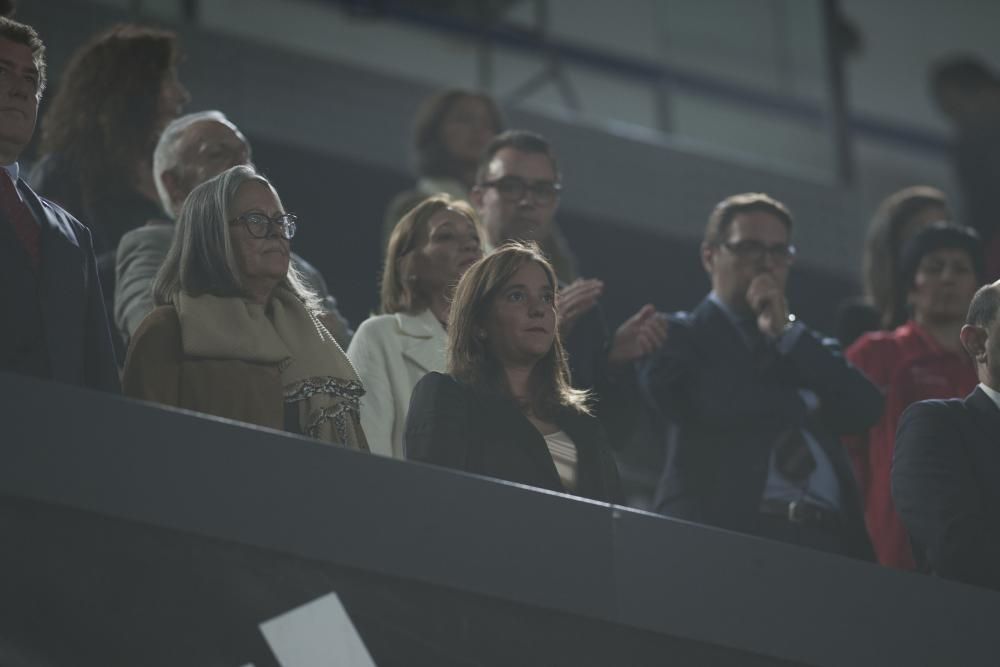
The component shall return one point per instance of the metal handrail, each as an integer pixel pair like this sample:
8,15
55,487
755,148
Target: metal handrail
655,74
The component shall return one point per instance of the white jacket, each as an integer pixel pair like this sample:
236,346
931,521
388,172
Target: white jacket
391,353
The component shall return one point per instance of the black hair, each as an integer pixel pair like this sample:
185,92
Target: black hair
520,140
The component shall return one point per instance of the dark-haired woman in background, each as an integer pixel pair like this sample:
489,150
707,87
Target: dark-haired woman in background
117,93
506,408
940,269
898,218
450,132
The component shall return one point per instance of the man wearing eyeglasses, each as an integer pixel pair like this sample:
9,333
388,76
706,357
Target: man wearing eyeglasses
191,150
516,195
758,399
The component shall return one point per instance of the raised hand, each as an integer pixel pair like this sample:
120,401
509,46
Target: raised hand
638,336
574,300
768,301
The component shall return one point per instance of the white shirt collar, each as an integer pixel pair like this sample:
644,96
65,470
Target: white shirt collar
13,170
992,393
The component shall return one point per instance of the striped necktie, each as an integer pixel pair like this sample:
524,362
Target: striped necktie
16,211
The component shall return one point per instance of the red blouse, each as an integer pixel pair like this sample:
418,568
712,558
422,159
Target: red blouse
909,366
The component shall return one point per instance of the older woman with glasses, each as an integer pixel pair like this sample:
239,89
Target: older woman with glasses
505,408
235,333
429,250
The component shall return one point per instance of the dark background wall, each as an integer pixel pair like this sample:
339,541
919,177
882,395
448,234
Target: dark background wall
334,141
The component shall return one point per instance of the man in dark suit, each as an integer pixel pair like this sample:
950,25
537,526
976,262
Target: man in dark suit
946,466
757,399
54,320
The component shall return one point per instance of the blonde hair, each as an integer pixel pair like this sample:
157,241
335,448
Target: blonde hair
399,294
470,359
201,259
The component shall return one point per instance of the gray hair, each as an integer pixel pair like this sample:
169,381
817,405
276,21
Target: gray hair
167,153
984,306
201,259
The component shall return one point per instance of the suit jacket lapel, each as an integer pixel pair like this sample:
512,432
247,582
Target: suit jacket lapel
423,340
720,335
63,284
985,413
510,427
590,480
18,254
60,250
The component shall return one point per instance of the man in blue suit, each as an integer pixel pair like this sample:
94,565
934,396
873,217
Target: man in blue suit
946,465
54,320
757,399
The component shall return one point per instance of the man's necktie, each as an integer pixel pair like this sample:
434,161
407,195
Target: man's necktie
791,451
792,456
20,218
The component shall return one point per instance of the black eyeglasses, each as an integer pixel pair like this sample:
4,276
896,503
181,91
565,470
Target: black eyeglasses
754,251
513,189
259,225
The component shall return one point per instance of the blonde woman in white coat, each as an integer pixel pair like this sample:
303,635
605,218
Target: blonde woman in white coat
429,250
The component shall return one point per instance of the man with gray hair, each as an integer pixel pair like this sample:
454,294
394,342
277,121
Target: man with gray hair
191,150
946,465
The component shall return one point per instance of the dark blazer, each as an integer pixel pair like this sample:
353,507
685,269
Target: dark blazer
55,325
946,486
454,425
729,405
615,392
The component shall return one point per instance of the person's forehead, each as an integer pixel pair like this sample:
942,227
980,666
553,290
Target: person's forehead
447,216
759,226
17,53
530,166
947,254
210,130
467,104
530,274
254,192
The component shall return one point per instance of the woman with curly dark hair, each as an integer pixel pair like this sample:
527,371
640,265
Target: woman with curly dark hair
899,217
450,131
117,93
115,96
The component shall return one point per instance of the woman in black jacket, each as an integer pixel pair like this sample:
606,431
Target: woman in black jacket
506,408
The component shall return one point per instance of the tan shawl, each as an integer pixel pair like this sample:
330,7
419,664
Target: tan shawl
315,373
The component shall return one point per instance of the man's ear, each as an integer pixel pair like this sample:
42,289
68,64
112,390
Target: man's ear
707,257
974,341
172,185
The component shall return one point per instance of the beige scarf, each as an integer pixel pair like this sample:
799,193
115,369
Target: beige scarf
315,372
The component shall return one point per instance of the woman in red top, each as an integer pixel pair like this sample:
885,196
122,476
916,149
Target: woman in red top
940,269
